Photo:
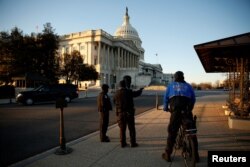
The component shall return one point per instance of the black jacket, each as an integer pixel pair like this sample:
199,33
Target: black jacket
124,101
103,103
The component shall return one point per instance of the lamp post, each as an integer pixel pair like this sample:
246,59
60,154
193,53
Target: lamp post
156,101
61,103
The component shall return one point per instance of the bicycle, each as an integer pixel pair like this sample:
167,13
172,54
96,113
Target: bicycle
187,140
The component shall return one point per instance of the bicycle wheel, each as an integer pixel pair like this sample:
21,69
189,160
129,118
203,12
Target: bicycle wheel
179,138
189,151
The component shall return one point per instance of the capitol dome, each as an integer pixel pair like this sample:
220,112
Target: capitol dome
128,32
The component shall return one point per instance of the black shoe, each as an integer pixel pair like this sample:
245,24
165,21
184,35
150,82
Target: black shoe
124,145
134,145
167,157
197,158
105,140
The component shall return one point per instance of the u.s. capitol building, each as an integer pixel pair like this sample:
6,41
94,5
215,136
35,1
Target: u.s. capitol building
113,56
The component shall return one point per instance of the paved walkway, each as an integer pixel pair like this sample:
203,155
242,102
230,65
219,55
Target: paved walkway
151,126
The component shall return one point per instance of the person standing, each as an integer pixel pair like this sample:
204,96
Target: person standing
131,110
180,97
104,106
120,100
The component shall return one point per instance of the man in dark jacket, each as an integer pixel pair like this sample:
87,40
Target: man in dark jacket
131,110
104,106
120,100
181,98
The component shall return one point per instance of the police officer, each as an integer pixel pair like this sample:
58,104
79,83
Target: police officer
180,97
104,106
131,110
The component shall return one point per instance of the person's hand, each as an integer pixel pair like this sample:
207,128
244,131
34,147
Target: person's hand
141,89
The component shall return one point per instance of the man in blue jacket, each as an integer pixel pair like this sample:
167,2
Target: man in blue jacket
180,97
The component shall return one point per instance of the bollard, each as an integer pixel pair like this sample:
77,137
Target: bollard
61,103
156,101
86,89
86,93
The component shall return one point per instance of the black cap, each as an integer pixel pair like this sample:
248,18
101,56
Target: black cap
127,77
179,76
105,87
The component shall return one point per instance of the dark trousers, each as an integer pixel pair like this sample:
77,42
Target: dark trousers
177,106
125,120
131,127
122,123
104,123
176,119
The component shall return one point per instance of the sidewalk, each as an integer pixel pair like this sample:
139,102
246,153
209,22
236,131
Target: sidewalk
151,126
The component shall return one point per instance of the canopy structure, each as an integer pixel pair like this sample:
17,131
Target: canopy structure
221,55
229,55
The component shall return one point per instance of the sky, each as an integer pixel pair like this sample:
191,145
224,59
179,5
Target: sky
167,28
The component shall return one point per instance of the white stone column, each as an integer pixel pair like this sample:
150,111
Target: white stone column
98,53
129,64
114,58
71,48
133,60
87,48
79,47
111,58
126,59
104,54
137,61
118,57
63,50
122,58
108,64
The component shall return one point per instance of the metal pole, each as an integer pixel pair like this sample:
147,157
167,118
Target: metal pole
62,138
156,101
63,149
